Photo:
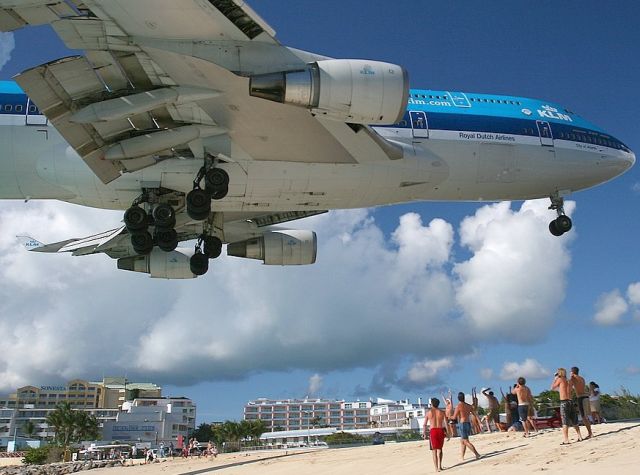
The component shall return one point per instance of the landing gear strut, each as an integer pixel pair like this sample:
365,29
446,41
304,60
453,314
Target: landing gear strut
207,247
562,223
216,187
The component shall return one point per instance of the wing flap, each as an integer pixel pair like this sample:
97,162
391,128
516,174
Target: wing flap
15,14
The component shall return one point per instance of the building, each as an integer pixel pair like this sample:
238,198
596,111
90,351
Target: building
152,420
13,420
300,414
111,401
398,414
110,393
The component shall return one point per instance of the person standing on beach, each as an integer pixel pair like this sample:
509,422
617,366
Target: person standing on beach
463,414
494,409
438,429
580,388
567,411
475,419
594,402
524,399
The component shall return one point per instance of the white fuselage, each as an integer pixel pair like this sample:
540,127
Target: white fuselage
36,163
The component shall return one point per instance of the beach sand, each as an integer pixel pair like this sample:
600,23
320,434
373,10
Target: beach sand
614,449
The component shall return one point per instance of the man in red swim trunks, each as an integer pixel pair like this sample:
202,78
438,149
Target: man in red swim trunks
438,430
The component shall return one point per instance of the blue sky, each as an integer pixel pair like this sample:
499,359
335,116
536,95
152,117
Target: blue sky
583,55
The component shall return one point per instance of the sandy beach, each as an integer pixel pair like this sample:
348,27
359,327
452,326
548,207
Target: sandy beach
615,449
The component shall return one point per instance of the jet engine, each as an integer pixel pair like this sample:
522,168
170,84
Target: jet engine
281,248
160,264
349,90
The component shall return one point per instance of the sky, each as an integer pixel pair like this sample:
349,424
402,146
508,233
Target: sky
405,301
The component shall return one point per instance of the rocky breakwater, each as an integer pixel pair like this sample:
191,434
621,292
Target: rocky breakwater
59,468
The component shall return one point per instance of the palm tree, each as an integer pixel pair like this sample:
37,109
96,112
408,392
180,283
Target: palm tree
29,428
62,422
70,425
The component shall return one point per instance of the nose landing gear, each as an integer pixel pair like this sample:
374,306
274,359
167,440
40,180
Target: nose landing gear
562,223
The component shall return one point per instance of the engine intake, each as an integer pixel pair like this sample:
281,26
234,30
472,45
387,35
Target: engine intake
349,90
281,248
160,264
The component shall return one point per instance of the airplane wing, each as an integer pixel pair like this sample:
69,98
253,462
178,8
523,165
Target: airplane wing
116,242
166,78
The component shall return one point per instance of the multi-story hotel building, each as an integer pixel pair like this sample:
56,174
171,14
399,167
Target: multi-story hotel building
110,393
297,414
144,414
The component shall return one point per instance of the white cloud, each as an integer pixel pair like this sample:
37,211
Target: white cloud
633,293
428,372
515,279
7,44
632,370
610,308
486,373
375,300
636,187
315,384
528,369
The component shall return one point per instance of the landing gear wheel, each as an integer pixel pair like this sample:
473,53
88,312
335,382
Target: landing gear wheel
212,247
553,228
167,239
199,263
164,216
136,219
563,223
142,242
198,204
216,182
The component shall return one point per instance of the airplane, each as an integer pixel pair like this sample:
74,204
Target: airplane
192,118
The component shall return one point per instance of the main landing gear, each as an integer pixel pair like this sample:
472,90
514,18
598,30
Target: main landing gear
562,223
216,187
163,220
154,224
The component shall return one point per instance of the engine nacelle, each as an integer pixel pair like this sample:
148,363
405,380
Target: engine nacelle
290,247
349,90
160,264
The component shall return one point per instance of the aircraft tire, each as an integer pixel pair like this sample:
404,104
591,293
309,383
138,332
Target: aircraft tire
216,183
136,219
166,239
198,204
553,228
212,247
563,223
164,216
199,264
142,242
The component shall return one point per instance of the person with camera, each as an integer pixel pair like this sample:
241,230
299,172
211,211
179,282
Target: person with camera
567,410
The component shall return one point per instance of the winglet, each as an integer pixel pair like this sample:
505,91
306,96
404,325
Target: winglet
29,243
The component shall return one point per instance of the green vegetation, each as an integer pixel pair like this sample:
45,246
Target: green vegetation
37,456
232,434
622,405
71,425
344,438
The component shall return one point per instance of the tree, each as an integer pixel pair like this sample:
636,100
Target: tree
71,425
29,428
316,421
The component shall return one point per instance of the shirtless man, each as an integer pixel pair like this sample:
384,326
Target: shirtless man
524,399
438,428
494,409
567,411
582,393
475,419
463,414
